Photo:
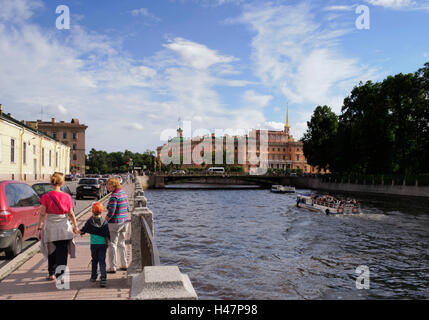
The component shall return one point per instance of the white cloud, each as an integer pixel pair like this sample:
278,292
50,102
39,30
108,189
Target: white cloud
135,126
401,4
125,102
294,51
395,4
196,55
18,10
340,8
143,12
251,98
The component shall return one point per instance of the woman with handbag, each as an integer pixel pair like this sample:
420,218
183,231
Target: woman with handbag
55,231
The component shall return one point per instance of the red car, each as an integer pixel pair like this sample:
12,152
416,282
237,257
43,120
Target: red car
19,214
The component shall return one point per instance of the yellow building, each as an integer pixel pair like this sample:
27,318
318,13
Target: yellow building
27,154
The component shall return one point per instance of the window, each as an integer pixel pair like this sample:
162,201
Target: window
74,146
56,159
64,135
75,157
34,149
74,135
12,150
43,157
278,149
21,195
297,150
50,158
297,157
24,152
54,135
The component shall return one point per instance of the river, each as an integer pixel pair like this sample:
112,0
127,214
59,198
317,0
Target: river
254,244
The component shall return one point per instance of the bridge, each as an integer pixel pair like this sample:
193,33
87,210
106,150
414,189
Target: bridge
159,181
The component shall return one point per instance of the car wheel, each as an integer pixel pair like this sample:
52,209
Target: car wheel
16,247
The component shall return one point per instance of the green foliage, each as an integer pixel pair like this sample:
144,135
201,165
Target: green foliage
319,140
383,129
101,162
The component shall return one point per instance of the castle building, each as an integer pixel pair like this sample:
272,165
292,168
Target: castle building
283,151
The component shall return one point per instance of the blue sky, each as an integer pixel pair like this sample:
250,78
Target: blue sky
129,69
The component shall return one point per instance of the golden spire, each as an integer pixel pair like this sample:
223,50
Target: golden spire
287,116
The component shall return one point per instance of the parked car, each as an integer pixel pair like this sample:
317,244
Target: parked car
19,214
68,177
178,172
44,187
89,187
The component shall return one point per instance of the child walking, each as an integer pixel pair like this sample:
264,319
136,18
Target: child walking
98,229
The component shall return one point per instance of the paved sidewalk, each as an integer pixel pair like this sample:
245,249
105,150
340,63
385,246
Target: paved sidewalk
28,281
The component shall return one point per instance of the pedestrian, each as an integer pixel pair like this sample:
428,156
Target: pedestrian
55,231
98,229
117,217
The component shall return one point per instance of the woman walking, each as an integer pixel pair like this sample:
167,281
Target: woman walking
55,230
117,218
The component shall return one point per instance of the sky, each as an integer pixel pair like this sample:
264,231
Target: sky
132,69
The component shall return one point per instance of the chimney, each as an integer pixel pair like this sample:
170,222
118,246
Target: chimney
53,120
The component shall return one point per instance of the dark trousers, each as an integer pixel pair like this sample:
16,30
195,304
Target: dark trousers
98,255
58,257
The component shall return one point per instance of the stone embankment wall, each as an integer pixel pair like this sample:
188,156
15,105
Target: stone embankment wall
388,189
148,279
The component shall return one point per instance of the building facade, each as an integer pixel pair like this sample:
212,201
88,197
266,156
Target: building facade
27,154
281,152
71,134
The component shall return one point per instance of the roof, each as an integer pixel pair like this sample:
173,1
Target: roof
23,125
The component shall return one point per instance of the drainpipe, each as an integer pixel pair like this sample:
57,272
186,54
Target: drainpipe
40,157
22,153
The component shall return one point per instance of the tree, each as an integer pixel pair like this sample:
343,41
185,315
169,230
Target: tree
319,140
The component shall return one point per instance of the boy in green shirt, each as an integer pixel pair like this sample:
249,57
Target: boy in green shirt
98,229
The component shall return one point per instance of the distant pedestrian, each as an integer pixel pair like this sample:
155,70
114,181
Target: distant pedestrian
98,228
117,218
55,231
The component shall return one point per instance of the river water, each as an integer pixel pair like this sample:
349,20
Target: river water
254,244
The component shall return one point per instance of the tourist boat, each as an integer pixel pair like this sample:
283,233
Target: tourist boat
282,189
328,204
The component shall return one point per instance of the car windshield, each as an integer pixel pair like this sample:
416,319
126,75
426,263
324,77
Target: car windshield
41,189
88,181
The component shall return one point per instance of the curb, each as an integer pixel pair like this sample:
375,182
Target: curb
34,249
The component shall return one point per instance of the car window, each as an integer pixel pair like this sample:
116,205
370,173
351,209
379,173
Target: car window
41,189
23,196
28,197
88,181
12,195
